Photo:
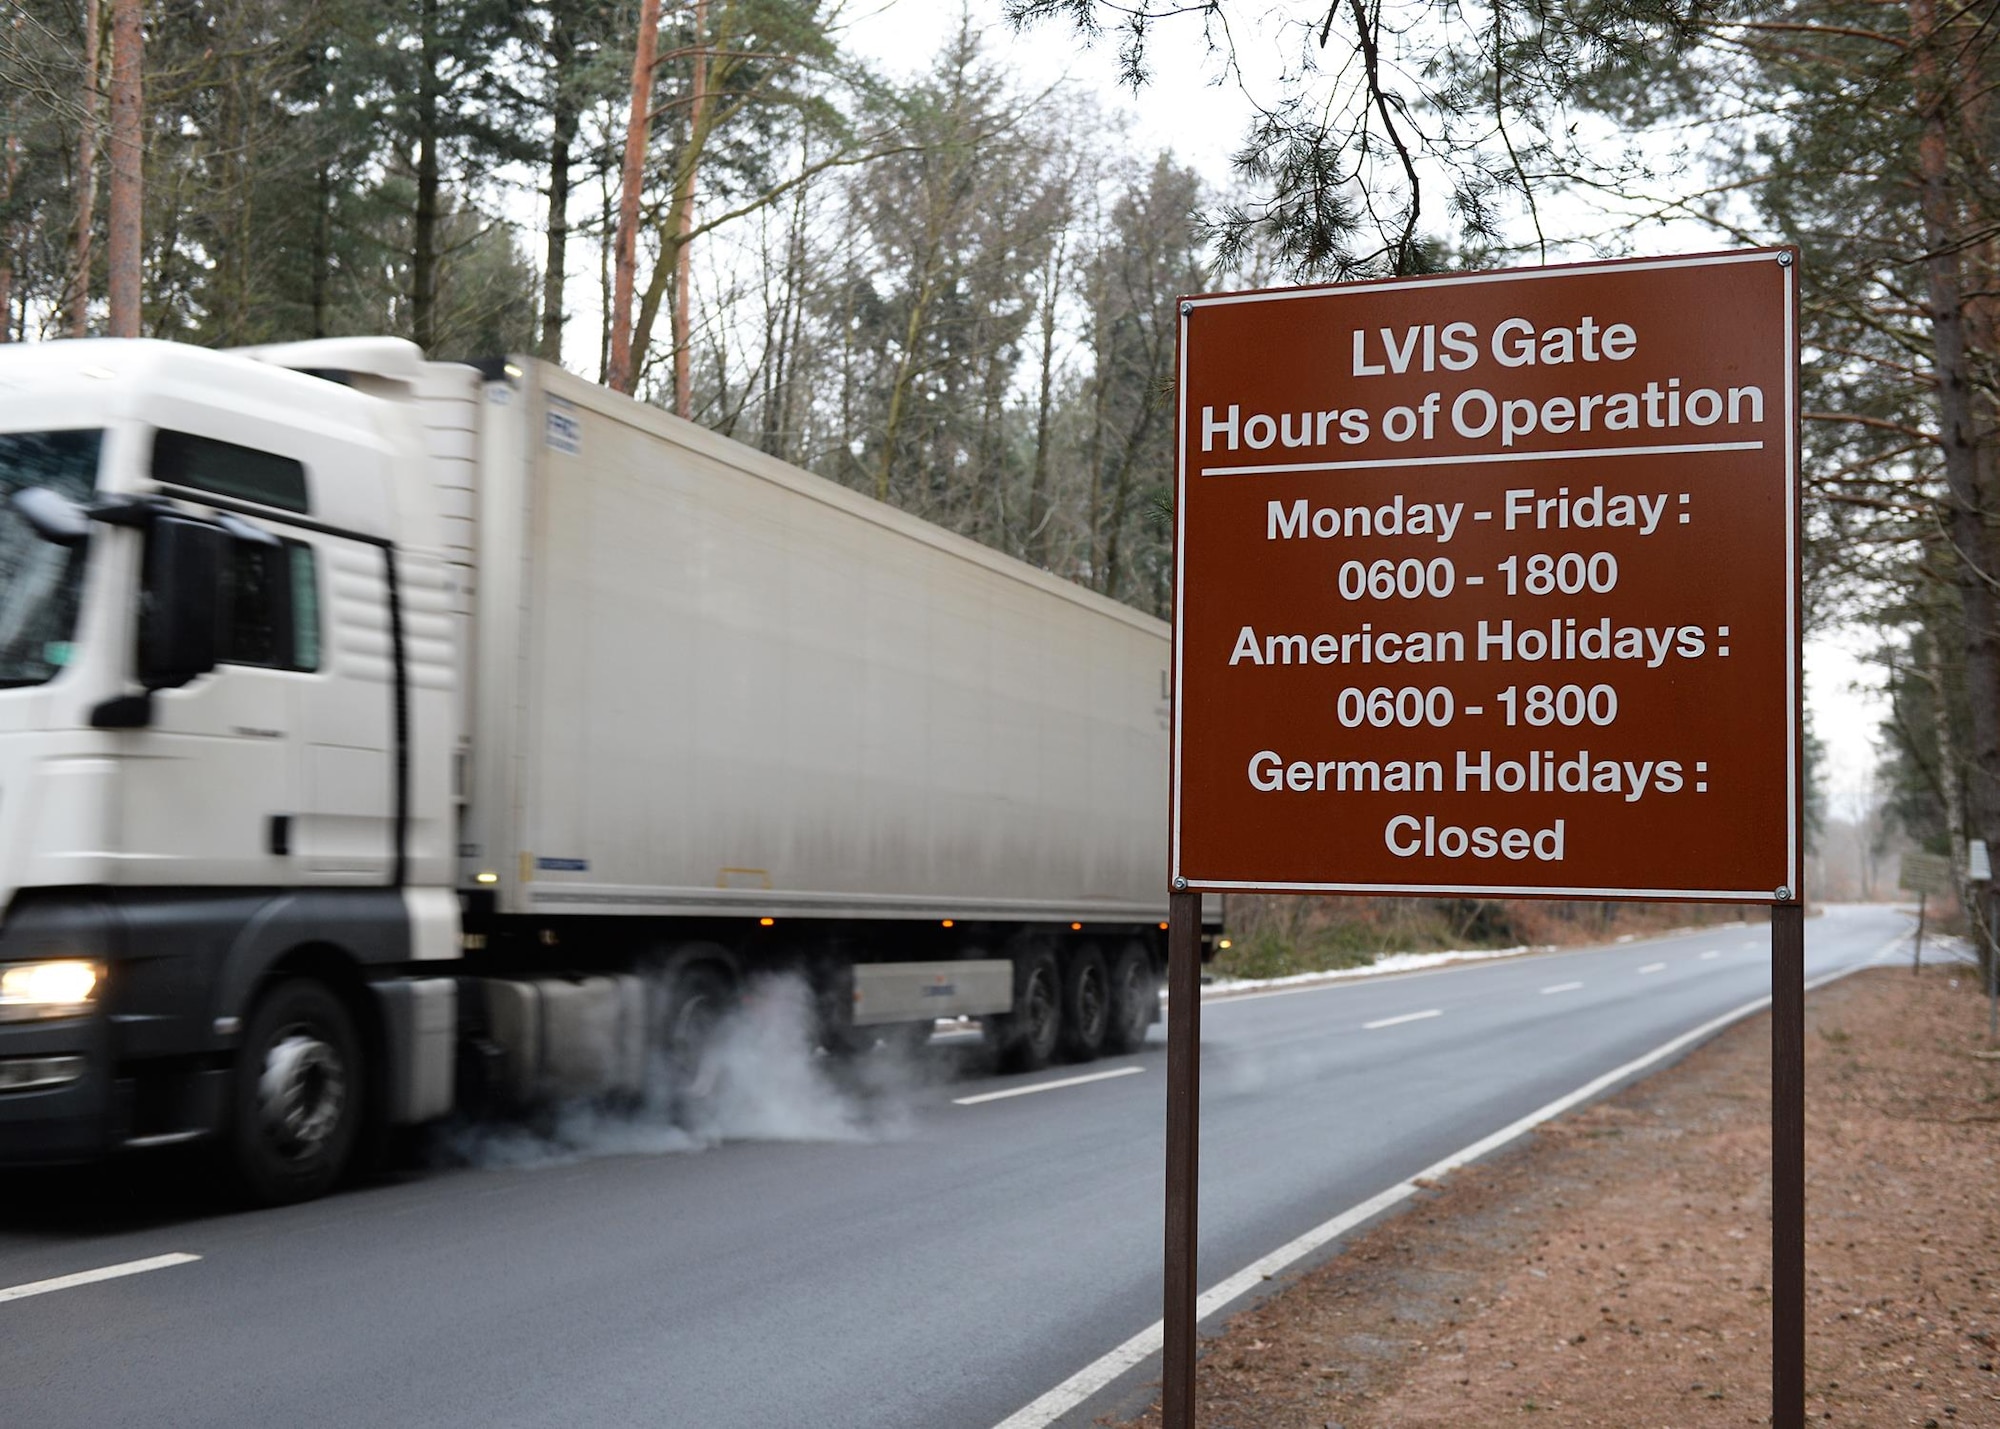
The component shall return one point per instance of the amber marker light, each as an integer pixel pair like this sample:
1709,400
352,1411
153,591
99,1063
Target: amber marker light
1163,927
1222,942
1076,927
947,923
766,922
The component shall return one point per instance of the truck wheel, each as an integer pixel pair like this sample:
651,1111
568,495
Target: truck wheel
1086,1003
1134,999
298,1095
700,996
1026,1038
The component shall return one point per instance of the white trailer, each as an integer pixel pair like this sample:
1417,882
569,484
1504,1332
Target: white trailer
379,735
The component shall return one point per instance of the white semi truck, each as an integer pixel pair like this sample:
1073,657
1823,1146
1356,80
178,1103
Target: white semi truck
380,736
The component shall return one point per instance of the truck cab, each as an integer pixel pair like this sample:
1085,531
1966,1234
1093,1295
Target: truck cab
226,684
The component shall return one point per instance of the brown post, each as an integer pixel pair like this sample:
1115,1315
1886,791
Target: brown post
1183,1142
1788,1166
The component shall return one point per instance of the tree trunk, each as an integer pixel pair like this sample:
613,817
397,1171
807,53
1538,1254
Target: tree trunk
605,307
124,219
77,315
424,245
562,54
322,251
684,216
1959,437
622,371
1036,547
899,387
9,171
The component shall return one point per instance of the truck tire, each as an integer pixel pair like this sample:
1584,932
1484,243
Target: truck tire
1134,999
698,999
1086,1005
1026,1039
298,1095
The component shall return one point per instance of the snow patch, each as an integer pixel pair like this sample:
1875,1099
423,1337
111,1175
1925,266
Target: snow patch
1386,963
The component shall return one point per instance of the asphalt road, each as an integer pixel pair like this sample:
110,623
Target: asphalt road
941,1267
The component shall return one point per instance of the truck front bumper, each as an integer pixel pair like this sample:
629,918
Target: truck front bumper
56,1092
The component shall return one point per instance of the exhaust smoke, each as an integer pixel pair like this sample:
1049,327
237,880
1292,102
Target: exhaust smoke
763,1076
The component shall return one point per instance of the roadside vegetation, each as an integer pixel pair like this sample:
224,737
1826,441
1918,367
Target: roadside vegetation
1282,937
957,293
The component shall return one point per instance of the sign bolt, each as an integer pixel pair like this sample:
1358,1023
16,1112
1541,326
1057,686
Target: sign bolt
1784,893
1186,309
1784,260
1180,885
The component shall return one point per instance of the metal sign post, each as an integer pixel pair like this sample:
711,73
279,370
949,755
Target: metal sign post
1487,585
1788,1165
1183,1171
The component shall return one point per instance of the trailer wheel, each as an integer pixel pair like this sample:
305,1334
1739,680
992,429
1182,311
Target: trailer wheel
699,997
1134,998
298,1095
1086,1003
1026,1038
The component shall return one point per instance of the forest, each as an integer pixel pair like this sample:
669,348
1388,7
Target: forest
954,290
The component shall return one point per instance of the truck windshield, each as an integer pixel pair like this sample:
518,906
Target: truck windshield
39,581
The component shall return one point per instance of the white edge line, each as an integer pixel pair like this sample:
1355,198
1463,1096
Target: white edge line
91,1277
1045,1086
1095,1376
1479,458
1398,1021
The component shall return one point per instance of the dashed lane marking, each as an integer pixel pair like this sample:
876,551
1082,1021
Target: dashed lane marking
91,1277
1652,968
1562,987
1711,953
1045,1086
1399,1021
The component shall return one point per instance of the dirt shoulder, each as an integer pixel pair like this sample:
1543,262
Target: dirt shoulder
1612,1270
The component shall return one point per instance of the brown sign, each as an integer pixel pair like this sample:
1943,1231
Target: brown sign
1488,585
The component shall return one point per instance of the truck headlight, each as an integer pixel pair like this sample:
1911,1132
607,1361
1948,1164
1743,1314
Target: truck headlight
62,988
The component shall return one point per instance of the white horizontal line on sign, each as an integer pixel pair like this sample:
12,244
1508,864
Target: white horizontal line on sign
1478,458
91,1277
1045,1086
1652,968
1562,987
1406,1017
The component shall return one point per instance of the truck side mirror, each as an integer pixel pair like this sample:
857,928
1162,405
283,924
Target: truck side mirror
53,516
180,601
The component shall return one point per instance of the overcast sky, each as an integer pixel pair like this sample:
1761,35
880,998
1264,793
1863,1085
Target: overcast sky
1184,109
